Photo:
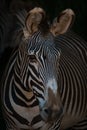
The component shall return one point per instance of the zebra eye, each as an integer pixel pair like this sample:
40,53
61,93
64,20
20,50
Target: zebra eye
32,58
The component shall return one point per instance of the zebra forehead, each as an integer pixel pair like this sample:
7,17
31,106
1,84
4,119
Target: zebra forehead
40,43
43,49
39,37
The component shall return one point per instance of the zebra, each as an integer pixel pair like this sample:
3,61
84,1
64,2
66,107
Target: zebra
31,75
59,115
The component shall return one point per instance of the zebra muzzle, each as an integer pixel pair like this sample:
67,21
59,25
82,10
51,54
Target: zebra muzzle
48,114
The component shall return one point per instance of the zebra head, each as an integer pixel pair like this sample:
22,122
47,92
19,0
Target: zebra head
43,59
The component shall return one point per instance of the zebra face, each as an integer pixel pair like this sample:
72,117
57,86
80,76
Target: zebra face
44,59
43,69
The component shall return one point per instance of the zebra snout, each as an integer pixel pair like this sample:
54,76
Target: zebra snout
48,114
48,111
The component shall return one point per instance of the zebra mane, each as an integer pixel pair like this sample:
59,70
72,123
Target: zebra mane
21,16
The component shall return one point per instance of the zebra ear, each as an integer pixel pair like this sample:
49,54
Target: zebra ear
33,20
62,23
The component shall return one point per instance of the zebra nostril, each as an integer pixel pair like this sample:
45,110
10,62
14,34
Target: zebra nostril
48,111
